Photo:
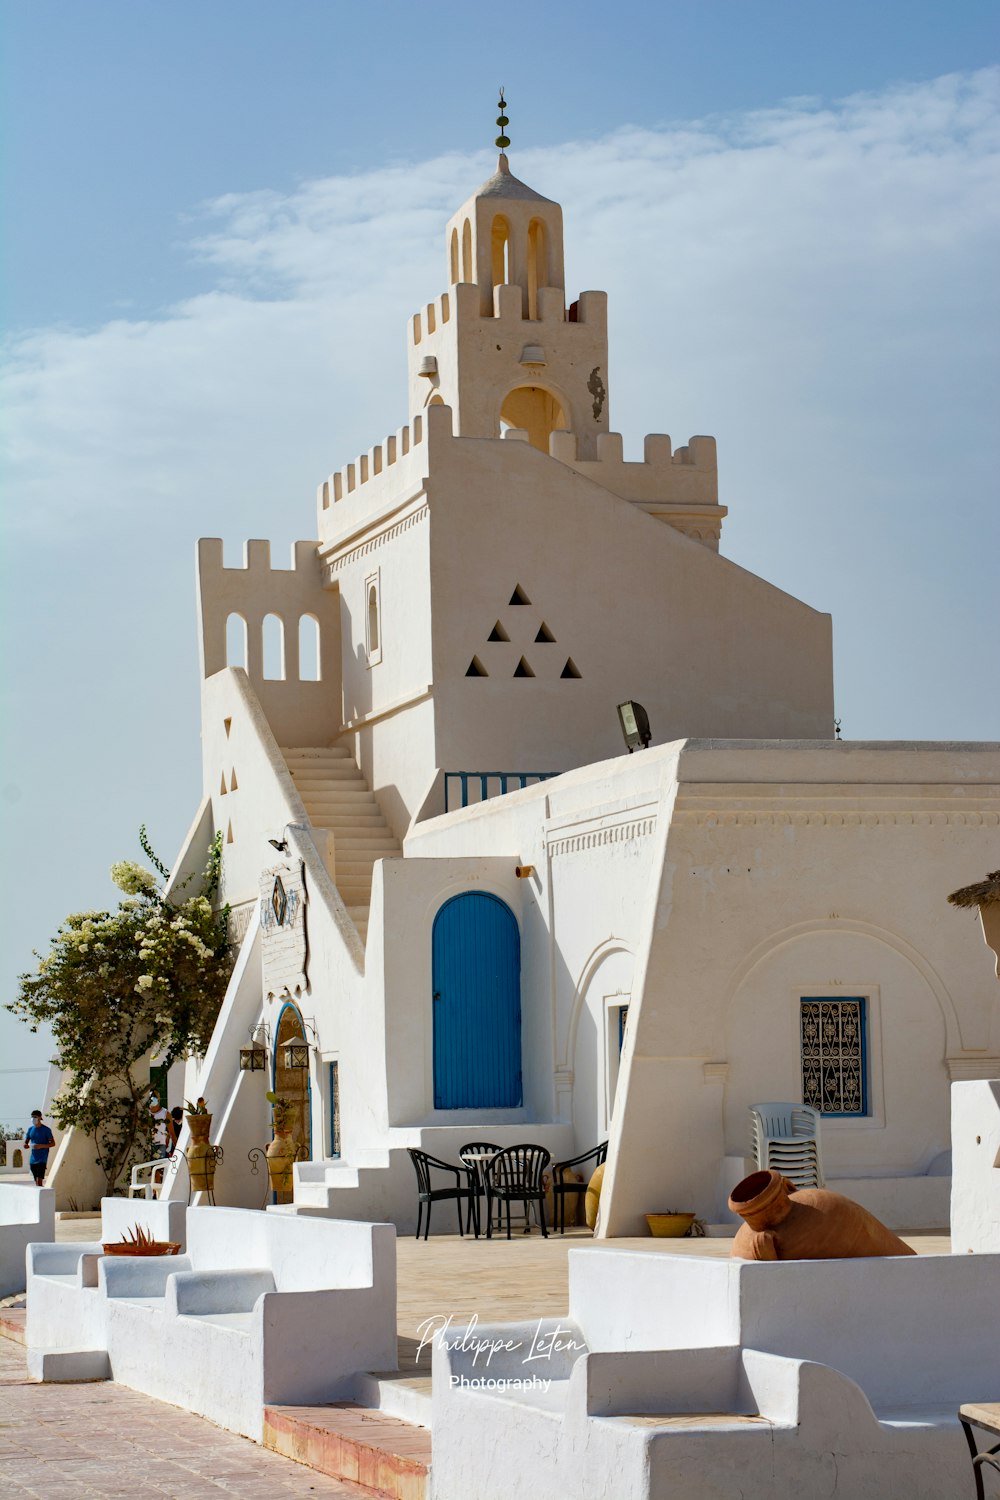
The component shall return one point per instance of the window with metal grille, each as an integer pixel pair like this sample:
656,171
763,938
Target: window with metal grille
834,1045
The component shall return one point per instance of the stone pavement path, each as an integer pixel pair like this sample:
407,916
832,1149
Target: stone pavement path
99,1440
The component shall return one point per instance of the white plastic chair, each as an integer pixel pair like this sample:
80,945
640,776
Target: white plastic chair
143,1182
786,1138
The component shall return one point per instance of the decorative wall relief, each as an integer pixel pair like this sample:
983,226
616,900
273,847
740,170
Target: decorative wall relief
284,940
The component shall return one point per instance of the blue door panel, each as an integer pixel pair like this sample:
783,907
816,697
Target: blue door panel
477,1004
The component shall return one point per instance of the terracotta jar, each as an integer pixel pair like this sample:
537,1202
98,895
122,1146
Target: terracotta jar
281,1154
201,1155
783,1222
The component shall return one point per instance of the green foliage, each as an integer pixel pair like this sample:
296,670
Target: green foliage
118,986
200,1108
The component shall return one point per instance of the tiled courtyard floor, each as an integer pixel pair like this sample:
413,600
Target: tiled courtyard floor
98,1441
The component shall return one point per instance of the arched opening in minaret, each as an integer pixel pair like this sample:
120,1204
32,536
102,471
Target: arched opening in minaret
467,252
500,248
537,411
538,264
454,256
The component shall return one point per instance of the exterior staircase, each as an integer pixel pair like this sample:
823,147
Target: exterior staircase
337,797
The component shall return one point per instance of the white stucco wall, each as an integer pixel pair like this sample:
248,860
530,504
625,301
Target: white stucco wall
975,1185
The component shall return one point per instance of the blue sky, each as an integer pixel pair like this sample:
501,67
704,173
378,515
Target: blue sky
218,217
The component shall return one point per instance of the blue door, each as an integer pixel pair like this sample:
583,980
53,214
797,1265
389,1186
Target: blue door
477,1005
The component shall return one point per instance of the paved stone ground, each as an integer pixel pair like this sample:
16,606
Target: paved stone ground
101,1442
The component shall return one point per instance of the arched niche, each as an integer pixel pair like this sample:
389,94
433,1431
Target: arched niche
537,410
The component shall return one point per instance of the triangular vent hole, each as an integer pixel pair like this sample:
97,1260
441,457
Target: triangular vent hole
229,834
223,788
545,634
228,724
519,596
476,668
498,633
570,669
522,669
233,783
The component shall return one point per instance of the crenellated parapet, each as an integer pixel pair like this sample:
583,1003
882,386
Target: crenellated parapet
368,466
259,599
679,486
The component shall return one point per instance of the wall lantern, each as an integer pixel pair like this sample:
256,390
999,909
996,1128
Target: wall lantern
533,354
428,366
253,1059
295,1054
635,725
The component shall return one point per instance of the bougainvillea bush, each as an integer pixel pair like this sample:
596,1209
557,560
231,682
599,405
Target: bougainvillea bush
118,988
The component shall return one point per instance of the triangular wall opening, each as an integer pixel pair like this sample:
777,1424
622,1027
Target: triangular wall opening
545,634
519,596
476,668
522,669
570,669
498,633
223,789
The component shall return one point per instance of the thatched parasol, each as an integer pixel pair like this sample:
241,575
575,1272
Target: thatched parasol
983,893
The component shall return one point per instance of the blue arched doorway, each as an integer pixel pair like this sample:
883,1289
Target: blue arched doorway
477,1004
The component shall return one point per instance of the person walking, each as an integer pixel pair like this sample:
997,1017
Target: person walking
40,1139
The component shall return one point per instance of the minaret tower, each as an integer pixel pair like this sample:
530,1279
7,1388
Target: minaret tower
501,348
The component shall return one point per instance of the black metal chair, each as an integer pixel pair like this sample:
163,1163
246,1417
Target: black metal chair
561,1189
475,1170
515,1175
427,1194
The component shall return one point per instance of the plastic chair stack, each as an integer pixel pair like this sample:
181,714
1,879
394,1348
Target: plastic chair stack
785,1137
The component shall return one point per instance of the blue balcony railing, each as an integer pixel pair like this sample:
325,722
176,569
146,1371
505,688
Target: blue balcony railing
464,788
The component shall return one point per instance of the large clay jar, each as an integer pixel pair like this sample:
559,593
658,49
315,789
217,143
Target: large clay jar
592,1202
782,1222
201,1155
281,1154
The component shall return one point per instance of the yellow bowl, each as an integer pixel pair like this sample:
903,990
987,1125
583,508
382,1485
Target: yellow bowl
669,1226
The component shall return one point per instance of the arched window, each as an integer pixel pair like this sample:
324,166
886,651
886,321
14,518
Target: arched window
236,641
373,617
467,273
274,649
538,264
309,662
500,247
454,256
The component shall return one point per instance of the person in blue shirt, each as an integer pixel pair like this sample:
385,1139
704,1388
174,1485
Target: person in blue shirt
41,1140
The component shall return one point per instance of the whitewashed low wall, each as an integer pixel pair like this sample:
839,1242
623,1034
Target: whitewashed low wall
261,1309
818,1377
164,1221
975,1183
27,1214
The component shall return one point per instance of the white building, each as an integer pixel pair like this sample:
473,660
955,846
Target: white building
488,584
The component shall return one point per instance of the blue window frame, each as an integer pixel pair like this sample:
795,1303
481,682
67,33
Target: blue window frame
834,1049
335,1109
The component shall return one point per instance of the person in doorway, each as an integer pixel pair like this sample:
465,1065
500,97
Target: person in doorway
160,1134
40,1139
174,1128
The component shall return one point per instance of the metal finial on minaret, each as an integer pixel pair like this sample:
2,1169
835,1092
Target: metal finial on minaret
502,140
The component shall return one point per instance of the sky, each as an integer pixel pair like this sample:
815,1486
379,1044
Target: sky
216,221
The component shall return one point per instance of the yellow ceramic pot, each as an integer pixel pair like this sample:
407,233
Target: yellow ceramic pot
669,1226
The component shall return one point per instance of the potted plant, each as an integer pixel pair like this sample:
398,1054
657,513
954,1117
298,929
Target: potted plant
200,1153
282,1151
137,1241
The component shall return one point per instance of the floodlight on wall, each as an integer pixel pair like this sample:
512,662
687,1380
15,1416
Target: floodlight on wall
635,725
532,354
253,1059
428,366
280,844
